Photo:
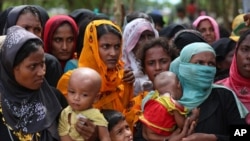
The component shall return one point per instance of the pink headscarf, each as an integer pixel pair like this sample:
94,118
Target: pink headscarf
131,36
239,84
212,21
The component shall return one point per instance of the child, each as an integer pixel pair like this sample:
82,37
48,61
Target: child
117,125
163,101
83,88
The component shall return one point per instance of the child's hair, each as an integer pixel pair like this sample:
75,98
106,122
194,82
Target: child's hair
113,117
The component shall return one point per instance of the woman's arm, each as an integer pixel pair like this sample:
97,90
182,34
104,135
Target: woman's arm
103,133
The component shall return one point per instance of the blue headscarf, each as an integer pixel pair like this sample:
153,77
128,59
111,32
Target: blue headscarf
196,79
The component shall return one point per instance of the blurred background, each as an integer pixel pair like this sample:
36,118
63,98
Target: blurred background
222,10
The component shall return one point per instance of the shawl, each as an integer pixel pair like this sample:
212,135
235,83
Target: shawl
212,21
25,110
131,36
51,26
115,94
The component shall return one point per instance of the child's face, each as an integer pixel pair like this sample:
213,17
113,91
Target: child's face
121,132
81,95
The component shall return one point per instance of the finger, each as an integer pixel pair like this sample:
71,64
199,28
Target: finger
186,127
191,129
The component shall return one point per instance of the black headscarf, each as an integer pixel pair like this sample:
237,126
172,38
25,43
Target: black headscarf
187,36
222,47
25,110
3,18
170,30
81,14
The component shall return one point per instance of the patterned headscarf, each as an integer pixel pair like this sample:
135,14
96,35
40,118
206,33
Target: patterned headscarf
131,36
114,93
25,110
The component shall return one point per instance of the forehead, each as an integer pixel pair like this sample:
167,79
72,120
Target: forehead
156,52
110,38
203,56
204,23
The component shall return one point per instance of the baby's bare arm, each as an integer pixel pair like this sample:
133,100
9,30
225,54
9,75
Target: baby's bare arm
180,119
103,133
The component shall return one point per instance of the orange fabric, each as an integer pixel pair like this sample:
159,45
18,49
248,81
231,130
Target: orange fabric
133,110
114,93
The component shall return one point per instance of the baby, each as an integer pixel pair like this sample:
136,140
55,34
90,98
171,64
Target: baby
83,88
168,90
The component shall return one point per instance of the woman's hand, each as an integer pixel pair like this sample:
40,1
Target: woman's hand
187,130
200,137
87,129
128,77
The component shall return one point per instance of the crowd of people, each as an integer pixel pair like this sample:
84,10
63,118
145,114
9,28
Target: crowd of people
82,77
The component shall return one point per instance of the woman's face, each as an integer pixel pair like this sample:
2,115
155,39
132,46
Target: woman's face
156,61
30,72
121,132
243,57
204,58
145,35
207,31
31,23
63,42
110,49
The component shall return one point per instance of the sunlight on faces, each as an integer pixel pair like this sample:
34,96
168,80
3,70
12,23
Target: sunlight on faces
83,88
31,71
110,49
63,42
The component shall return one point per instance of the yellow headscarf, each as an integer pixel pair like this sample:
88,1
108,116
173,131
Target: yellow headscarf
115,94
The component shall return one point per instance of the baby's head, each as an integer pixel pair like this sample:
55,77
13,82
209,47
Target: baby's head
83,88
168,82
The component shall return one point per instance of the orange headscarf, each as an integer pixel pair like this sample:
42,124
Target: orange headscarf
114,93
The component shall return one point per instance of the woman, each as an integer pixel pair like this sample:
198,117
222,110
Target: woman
135,33
117,126
60,34
195,68
151,65
25,94
224,49
239,77
33,19
102,52
208,27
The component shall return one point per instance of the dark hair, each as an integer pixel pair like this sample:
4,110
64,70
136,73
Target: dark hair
105,28
82,27
113,117
161,41
134,15
34,11
28,47
242,38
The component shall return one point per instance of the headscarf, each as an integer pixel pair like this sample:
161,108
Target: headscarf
196,79
236,82
3,19
187,36
212,21
51,26
238,24
170,30
25,110
114,93
131,36
81,14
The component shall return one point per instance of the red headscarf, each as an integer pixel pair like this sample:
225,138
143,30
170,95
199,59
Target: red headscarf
50,27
